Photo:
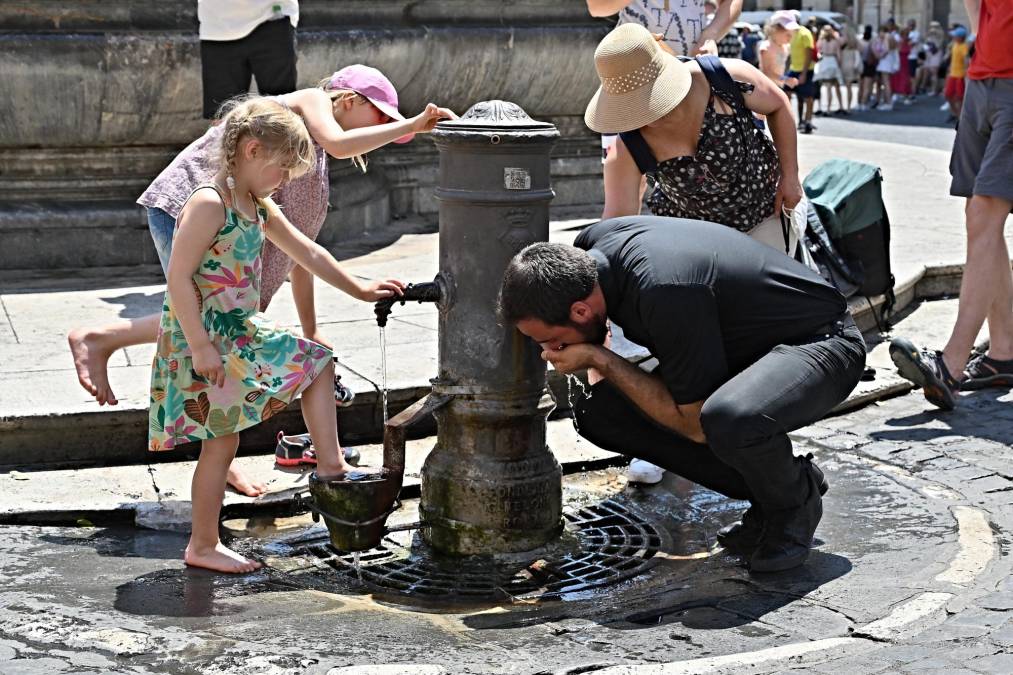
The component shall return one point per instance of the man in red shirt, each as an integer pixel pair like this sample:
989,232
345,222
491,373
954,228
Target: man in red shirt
982,168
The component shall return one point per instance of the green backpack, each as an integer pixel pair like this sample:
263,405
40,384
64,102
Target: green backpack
848,198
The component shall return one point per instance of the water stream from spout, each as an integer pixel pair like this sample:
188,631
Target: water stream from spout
383,372
583,392
356,565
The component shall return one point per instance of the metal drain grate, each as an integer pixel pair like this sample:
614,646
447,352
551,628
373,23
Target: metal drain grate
610,544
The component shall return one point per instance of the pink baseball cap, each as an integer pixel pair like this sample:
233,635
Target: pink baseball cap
375,86
786,19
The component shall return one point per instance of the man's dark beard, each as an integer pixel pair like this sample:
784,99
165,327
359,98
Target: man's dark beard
596,332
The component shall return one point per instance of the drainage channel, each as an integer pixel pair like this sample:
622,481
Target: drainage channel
602,544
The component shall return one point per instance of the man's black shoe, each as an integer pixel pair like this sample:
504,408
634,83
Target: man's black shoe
744,535
788,533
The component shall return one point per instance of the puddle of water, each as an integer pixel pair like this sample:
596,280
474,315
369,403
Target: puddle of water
191,592
362,476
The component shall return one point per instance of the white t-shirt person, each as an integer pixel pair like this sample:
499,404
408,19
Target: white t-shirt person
227,20
684,24
679,21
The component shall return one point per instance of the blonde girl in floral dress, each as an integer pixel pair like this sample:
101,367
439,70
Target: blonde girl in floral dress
349,114
220,367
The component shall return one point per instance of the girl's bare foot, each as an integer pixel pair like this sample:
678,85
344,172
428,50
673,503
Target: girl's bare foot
334,470
219,558
90,360
242,483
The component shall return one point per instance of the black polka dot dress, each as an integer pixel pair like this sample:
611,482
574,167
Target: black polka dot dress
732,178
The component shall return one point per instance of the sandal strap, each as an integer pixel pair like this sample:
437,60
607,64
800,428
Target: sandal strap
983,365
944,373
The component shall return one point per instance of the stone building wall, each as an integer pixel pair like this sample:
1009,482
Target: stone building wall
98,95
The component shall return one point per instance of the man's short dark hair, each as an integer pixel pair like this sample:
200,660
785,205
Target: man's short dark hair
543,281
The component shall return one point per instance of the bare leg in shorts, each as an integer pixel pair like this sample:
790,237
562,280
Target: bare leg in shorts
986,290
981,167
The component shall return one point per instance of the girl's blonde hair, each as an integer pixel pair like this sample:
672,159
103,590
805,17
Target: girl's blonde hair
340,96
279,130
827,32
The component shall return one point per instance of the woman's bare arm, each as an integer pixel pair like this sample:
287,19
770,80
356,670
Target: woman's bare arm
622,183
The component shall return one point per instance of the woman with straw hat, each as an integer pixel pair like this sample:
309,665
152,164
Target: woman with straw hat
708,159
711,161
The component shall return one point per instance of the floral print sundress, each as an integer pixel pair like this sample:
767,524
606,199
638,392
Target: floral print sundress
266,368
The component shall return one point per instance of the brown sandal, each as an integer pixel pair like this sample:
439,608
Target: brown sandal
983,371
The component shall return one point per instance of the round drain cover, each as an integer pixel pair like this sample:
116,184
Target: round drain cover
602,544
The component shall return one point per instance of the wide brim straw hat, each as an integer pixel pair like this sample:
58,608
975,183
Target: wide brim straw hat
640,82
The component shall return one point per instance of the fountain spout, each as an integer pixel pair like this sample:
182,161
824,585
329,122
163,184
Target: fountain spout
427,291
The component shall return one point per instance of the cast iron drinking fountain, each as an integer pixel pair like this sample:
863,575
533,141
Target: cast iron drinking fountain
490,484
491,517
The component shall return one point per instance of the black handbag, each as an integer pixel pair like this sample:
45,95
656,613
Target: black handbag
831,264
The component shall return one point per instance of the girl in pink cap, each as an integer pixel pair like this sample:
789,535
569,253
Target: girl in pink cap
350,113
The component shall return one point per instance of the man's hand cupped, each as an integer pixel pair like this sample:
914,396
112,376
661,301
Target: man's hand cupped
572,358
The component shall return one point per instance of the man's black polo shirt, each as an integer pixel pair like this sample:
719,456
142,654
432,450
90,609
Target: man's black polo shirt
706,300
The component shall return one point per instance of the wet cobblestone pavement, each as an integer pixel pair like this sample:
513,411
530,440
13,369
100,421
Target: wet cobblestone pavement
909,575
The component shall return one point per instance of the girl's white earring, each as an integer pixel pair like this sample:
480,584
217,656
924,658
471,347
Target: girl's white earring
230,182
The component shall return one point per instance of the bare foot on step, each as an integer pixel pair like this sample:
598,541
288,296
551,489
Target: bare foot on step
242,483
220,559
329,471
90,360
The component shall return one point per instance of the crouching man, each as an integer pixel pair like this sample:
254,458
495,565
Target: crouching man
750,345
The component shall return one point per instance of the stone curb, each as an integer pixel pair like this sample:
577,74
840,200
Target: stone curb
156,495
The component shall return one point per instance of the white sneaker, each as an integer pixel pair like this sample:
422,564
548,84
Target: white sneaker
642,471
884,106
944,107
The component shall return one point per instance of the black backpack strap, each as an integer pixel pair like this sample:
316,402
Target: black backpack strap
721,80
719,77
640,151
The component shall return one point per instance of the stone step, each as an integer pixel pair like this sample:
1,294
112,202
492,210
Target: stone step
101,228
158,495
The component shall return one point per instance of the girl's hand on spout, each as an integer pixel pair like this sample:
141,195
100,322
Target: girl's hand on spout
378,290
426,120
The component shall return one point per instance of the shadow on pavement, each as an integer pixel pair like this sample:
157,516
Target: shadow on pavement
136,305
737,601
127,543
968,419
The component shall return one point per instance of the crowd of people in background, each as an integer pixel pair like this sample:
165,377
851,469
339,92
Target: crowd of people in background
835,69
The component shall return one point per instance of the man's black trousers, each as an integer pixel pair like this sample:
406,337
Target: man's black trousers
748,454
268,54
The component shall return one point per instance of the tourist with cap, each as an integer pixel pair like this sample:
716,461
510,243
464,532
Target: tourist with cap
801,66
699,145
750,345
349,114
774,50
